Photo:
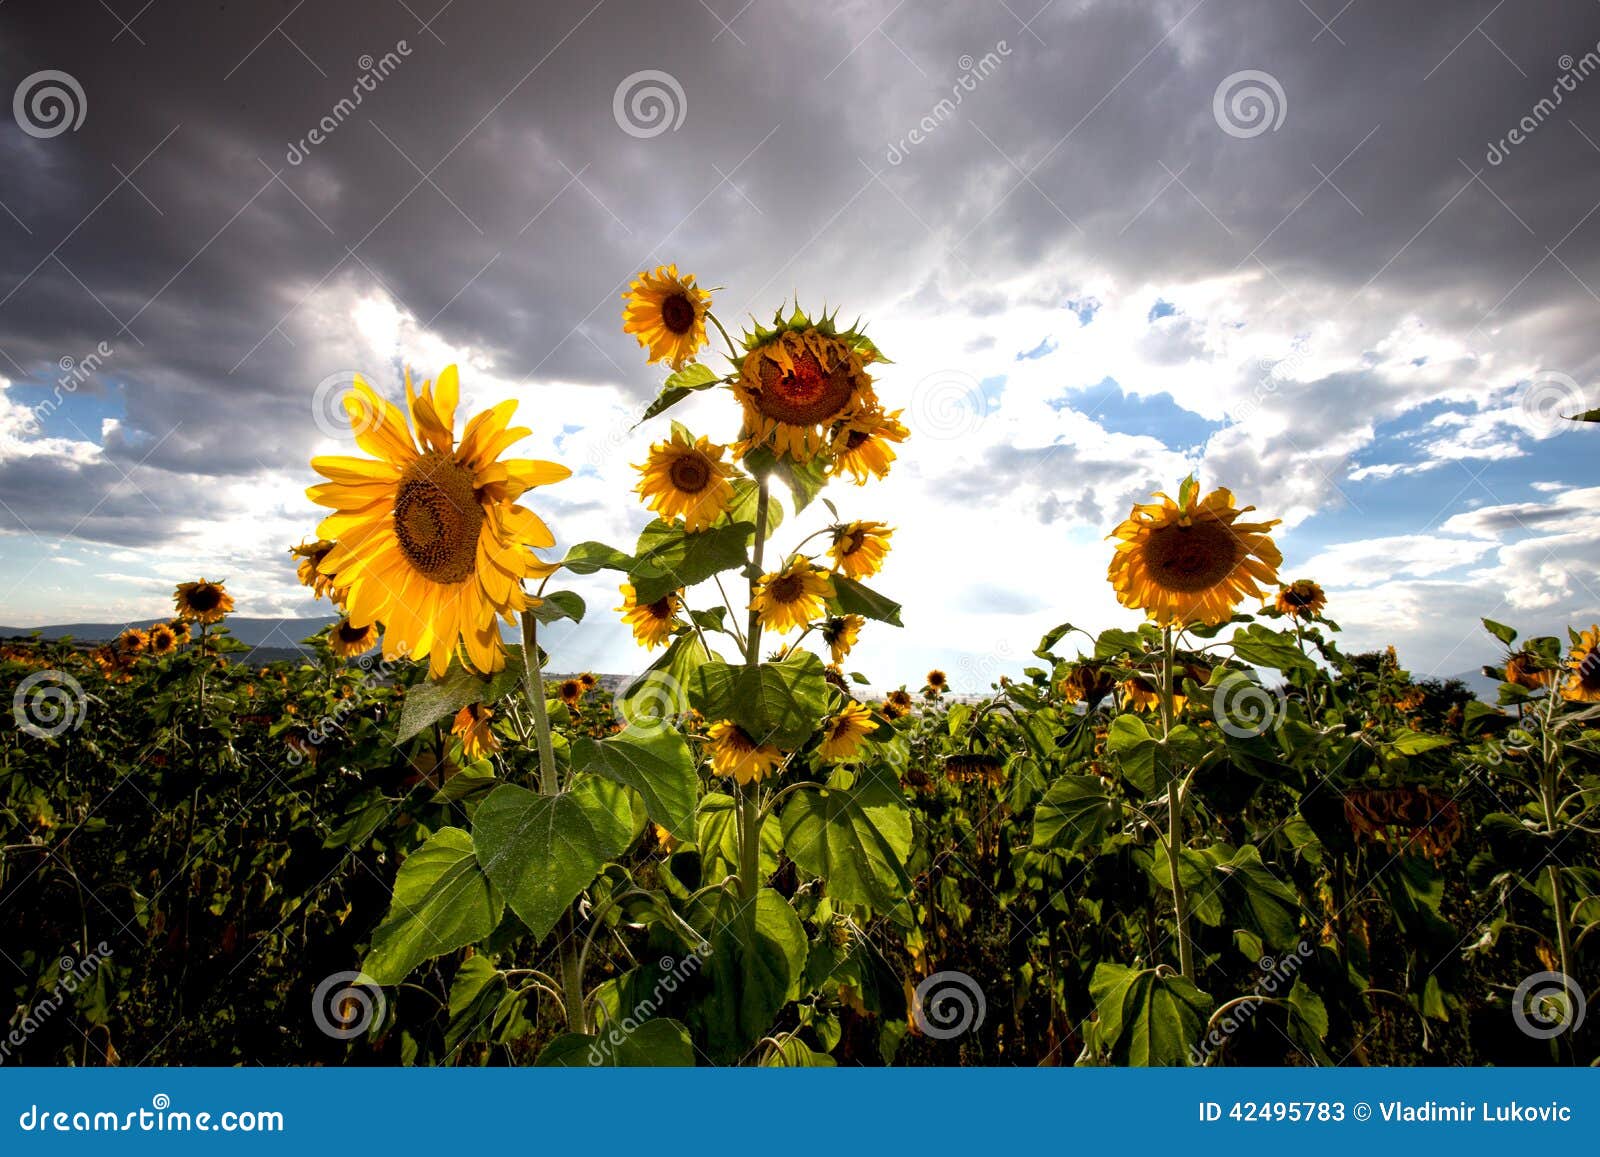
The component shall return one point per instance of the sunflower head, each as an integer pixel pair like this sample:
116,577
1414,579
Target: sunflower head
652,623
1583,685
180,631
845,733
897,703
588,680
162,641
666,311
685,477
1524,669
133,641
473,726
1139,694
570,691
863,444
1192,561
202,601
799,380
736,755
788,599
840,633
350,641
859,547
1301,599
937,680
1088,682
310,556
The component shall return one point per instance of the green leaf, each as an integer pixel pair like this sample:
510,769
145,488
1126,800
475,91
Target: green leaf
558,605
669,557
541,851
851,598
1114,642
442,901
758,957
657,1043
717,837
1146,1018
777,703
804,480
1050,638
1259,900
1074,814
1415,742
679,386
856,840
654,761
1586,416
794,1053
743,508
1262,646
590,557
432,701
1505,634
660,691
1135,749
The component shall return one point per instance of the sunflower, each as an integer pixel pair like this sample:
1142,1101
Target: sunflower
798,381
1522,668
472,724
1140,695
790,598
430,540
161,640
1411,698
569,692
202,601
1088,683
841,633
862,447
588,680
897,703
1583,685
350,641
131,642
311,555
937,681
1301,599
735,754
686,477
858,548
844,734
180,631
1191,561
652,623
666,311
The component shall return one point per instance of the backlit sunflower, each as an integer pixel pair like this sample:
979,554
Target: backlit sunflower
798,381
202,601
1301,599
1583,685
862,444
133,641
666,311
472,725
845,733
1088,682
569,692
1522,668
350,641
180,631
1139,695
430,539
735,754
858,548
161,640
588,680
311,555
840,633
790,598
937,680
686,478
897,703
1192,561
652,623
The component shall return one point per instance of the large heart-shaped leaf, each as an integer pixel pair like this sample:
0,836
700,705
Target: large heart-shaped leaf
657,1043
851,598
436,700
442,901
758,957
1146,1018
857,840
669,557
654,761
1258,900
1074,814
777,703
717,837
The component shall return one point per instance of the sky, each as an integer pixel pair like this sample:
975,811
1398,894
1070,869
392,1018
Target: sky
1340,257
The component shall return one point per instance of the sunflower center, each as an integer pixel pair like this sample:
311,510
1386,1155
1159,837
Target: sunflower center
437,518
1296,599
204,597
661,608
807,395
786,589
1192,558
1589,669
677,313
690,473
351,634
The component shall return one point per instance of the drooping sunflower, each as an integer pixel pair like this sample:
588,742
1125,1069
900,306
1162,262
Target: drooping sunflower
859,547
897,703
652,623
666,311
180,631
430,539
1301,599
845,733
1583,685
588,680
798,381
735,754
840,633
569,692
161,640
1088,682
1522,668
788,599
862,445
350,641
202,601
472,725
133,641
686,478
311,555
1192,561
1139,695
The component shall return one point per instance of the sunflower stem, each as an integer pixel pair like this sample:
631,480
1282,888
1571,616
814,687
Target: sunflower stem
749,799
533,687
1180,902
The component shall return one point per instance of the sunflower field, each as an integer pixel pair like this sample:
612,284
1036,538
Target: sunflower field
1216,838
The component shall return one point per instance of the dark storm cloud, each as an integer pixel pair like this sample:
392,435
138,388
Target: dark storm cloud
486,185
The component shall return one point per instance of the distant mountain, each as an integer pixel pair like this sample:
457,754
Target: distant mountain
1482,686
274,634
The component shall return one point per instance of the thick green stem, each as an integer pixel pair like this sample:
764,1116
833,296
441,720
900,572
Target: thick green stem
750,815
1180,902
533,687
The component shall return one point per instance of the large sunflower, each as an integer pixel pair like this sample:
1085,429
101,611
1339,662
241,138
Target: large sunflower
1192,561
844,734
1302,599
862,445
735,754
686,478
1583,685
202,601
798,381
350,641
790,598
652,623
430,540
858,548
666,311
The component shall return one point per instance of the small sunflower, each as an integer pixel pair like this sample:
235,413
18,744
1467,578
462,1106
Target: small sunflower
162,641
798,381
350,641
862,446
937,681
569,692
131,642
202,601
1140,695
789,599
1192,560
311,555
1583,685
845,733
588,680
666,311
841,633
1522,668
686,478
858,548
735,754
472,724
430,539
897,703
1301,599
180,631
1088,682
652,623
